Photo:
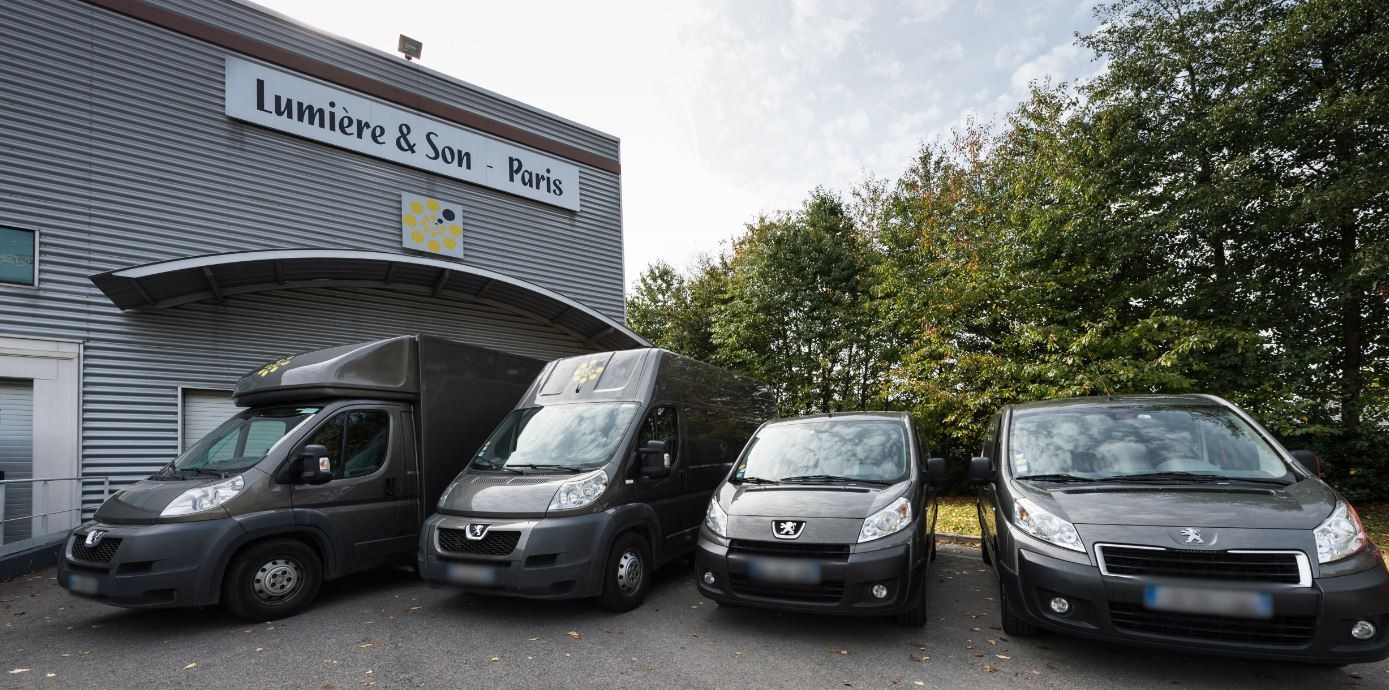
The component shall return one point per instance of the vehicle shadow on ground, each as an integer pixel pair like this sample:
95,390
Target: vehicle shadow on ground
666,580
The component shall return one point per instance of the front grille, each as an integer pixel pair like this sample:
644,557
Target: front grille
500,543
1202,565
825,592
1280,630
101,553
789,548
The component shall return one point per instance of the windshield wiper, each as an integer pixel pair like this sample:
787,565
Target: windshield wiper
834,479
203,470
494,467
1191,477
1055,478
753,480
567,468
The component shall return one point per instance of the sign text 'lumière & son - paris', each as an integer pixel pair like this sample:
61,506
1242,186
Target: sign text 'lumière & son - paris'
305,108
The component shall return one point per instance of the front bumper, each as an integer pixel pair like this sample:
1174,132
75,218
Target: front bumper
1310,624
845,588
552,558
149,566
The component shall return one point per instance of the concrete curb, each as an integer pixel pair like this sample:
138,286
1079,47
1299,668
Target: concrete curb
957,538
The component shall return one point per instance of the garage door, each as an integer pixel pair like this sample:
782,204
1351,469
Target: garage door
203,411
17,455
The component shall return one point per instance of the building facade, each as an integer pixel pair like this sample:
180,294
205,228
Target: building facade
191,189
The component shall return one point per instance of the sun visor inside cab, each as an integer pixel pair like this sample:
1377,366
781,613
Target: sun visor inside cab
384,368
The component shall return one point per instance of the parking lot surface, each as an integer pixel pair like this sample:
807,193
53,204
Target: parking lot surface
384,629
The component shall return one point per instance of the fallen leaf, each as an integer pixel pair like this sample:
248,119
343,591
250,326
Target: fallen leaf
918,682
495,659
49,675
19,670
370,645
1003,657
260,649
532,639
574,634
192,665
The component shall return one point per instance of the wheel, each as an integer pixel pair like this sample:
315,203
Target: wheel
272,579
915,613
1012,624
627,575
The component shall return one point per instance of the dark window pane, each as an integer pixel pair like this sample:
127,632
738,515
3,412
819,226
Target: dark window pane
17,256
660,425
330,436
368,432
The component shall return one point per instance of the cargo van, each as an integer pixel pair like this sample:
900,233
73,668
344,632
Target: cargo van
832,513
1174,521
598,476
330,469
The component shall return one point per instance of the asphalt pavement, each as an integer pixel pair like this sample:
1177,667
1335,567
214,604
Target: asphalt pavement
384,629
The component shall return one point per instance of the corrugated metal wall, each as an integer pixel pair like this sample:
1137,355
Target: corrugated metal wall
116,147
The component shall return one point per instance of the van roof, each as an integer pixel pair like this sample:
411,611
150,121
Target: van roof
888,415
1144,399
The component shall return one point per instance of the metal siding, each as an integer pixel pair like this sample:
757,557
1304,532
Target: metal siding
203,411
117,148
17,456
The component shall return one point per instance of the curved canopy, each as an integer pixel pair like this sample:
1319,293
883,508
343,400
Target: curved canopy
216,277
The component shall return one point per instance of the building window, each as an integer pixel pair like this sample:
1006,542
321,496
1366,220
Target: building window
19,253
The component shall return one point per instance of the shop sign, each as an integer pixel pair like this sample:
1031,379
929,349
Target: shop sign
312,110
431,225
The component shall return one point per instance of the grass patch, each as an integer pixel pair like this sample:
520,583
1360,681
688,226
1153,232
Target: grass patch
1375,517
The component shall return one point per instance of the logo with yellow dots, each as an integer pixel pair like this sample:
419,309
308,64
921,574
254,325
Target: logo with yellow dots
430,225
588,371
273,366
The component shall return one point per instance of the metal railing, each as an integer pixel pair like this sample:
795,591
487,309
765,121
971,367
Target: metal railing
53,510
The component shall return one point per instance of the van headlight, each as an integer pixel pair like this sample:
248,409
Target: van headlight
1340,535
204,497
894,518
580,491
716,519
1045,526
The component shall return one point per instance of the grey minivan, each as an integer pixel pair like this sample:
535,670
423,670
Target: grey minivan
1174,521
832,513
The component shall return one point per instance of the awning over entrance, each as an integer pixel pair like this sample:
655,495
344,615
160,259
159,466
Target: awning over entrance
217,277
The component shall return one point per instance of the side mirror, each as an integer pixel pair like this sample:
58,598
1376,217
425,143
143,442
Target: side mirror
654,461
1309,461
981,471
315,467
935,471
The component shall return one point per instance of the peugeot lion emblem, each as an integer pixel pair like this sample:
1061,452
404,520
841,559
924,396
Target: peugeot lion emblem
787,529
1192,535
475,532
94,537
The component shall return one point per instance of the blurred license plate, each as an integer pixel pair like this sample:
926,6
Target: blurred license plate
784,571
83,584
1220,602
475,575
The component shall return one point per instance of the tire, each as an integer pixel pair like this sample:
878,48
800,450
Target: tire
272,579
1012,623
915,615
626,573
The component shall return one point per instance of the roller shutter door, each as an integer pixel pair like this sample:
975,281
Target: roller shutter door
17,455
203,411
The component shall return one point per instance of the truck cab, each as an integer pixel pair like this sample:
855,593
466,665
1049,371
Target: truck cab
328,471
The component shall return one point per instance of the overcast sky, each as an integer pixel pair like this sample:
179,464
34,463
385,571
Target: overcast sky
730,108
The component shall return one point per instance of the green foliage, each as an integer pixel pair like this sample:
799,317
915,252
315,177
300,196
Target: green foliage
1207,215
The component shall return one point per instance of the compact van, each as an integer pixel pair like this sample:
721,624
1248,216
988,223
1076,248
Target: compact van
830,513
598,476
330,469
1174,521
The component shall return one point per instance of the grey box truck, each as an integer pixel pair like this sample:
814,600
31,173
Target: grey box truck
330,469
598,476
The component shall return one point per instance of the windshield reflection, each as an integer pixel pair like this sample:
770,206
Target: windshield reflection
242,441
874,451
569,435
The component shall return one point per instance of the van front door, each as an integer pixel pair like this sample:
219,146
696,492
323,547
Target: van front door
362,501
665,495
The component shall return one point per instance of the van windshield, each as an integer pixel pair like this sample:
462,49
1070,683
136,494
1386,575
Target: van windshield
577,435
828,450
1198,443
242,441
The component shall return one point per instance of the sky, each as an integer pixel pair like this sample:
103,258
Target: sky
728,109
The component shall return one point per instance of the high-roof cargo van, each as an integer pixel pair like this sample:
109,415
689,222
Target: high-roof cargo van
598,476
330,469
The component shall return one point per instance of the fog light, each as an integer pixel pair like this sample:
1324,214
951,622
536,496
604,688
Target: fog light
708,578
1363,630
1060,606
879,591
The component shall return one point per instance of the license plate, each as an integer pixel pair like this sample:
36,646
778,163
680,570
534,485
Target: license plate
1220,602
83,584
472,575
784,571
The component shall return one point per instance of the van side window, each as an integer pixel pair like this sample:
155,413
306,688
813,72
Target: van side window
661,425
990,449
356,440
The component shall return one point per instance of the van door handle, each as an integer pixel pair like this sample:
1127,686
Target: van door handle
390,486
